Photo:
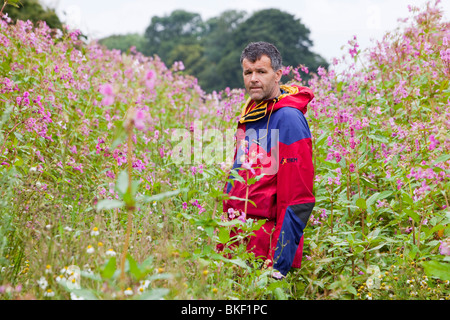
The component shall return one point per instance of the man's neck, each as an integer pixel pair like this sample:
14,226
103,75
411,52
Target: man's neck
275,95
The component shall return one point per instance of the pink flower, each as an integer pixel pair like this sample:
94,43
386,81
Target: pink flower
150,78
231,214
248,166
352,167
444,248
139,119
242,217
108,95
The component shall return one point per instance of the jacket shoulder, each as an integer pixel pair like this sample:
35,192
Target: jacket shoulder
292,125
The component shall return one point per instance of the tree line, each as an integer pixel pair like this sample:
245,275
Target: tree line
32,10
211,49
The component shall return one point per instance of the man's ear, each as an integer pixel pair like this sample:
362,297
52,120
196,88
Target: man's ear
279,73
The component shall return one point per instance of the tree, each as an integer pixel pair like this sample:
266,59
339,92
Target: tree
211,50
282,29
124,42
32,10
165,35
219,31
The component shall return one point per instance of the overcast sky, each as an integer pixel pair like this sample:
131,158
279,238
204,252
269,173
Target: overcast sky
332,22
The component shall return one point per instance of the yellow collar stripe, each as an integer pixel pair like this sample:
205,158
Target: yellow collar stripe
260,110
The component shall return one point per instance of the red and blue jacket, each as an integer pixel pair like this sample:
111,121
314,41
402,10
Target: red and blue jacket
273,140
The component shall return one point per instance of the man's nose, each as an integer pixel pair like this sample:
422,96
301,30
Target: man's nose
254,77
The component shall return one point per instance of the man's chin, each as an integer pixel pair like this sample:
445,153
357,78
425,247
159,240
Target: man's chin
256,97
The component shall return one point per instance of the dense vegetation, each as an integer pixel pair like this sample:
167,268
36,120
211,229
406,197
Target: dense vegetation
32,10
210,50
102,198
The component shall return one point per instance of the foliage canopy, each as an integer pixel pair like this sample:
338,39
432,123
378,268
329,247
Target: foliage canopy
210,50
32,10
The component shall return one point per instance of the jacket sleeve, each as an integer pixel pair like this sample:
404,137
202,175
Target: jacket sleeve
295,198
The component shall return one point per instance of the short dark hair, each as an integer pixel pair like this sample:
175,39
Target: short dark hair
255,50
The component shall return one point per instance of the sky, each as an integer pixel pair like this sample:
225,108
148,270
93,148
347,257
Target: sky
332,22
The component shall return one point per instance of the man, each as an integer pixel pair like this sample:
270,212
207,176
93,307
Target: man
273,140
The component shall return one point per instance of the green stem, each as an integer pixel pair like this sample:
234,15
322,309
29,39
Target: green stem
246,196
130,205
4,5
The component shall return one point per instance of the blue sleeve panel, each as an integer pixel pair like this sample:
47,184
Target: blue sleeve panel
294,223
286,121
292,124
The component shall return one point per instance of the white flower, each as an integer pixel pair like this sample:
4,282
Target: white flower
95,232
73,296
369,283
144,283
90,249
59,278
73,283
42,282
68,229
110,252
49,293
48,269
128,292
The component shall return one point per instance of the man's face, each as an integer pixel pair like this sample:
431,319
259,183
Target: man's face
261,82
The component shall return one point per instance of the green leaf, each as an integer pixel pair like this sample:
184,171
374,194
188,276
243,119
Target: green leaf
442,158
253,180
351,290
155,294
161,276
109,268
236,261
361,203
85,294
109,204
134,268
279,294
437,269
372,199
385,194
378,138
224,235
161,196
122,182
241,199
411,213
15,3
237,176
119,135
